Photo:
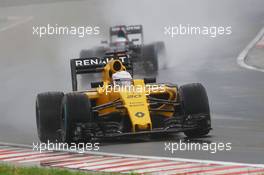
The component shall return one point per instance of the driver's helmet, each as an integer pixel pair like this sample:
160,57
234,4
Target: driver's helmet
121,36
122,78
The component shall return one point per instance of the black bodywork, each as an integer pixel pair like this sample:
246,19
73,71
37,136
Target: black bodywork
140,54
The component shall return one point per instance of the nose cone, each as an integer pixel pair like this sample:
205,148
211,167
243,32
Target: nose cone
137,108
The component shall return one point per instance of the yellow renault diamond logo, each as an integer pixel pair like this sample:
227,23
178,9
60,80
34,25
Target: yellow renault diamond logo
139,114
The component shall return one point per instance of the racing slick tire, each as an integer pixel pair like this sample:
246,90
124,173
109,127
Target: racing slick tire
48,114
194,100
76,108
150,59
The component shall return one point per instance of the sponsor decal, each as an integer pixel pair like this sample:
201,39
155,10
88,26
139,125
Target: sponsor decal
126,28
134,96
135,104
139,114
135,27
97,61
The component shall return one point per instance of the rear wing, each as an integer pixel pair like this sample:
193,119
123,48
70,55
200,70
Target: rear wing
94,65
132,29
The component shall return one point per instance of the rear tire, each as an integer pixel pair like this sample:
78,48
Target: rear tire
194,100
76,108
150,59
161,51
48,115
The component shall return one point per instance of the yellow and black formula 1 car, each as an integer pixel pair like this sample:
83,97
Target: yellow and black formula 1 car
120,106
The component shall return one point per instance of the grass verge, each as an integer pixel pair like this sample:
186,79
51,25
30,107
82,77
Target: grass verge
6,169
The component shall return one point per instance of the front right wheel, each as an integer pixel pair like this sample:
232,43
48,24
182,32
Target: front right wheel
194,101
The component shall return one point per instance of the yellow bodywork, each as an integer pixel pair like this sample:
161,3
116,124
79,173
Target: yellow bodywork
134,100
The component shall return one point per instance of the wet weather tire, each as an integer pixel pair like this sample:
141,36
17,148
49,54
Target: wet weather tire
48,115
194,100
150,58
76,108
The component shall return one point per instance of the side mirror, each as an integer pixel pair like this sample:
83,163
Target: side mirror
104,42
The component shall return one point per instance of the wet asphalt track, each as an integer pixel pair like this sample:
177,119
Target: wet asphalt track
29,65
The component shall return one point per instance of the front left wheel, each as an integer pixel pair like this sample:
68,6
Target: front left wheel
48,115
76,109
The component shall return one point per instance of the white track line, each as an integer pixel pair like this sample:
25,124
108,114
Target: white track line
125,161
145,168
55,157
69,160
161,168
17,154
103,164
20,20
242,56
15,150
89,162
15,145
227,171
191,169
72,161
151,157
175,159
133,166
31,157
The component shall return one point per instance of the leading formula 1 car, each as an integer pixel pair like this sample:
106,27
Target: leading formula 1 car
103,112
130,39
